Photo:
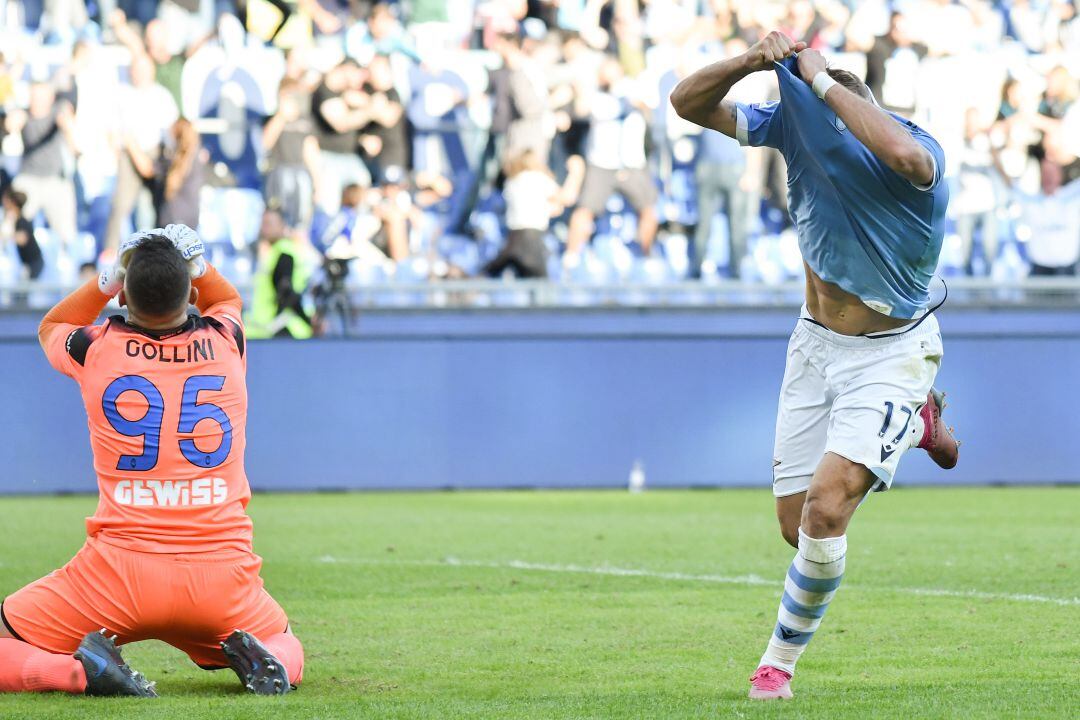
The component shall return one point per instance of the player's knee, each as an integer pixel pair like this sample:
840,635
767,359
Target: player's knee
838,487
821,518
826,513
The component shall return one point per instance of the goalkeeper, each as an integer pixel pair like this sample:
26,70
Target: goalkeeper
168,554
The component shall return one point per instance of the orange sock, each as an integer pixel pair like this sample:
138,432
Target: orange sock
287,648
25,668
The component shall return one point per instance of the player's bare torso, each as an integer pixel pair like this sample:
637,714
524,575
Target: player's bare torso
842,312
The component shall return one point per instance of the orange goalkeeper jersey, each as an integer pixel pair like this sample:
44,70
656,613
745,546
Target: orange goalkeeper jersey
167,414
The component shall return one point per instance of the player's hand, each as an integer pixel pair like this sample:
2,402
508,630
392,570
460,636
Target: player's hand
190,245
774,46
811,62
111,279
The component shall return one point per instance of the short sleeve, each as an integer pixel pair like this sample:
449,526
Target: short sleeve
936,154
67,346
759,124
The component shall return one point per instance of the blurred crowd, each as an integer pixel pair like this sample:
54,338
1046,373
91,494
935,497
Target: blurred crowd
402,141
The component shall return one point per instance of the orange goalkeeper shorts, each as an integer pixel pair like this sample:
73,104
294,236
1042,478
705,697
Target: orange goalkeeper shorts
192,601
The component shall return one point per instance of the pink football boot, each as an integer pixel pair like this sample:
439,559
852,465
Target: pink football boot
769,683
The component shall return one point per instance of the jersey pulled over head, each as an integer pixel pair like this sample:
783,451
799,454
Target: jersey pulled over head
157,284
861,225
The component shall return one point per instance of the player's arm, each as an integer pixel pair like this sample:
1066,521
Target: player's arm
874,127
701,97
214,289
82,307
64,332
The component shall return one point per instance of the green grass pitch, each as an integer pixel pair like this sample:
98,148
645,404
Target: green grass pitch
956,603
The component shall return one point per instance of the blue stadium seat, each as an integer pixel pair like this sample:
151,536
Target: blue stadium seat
413,270
613,252
85,248
676,252
230,215
650,271
464,252
366,273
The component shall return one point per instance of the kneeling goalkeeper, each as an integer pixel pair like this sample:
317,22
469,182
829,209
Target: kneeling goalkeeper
168,554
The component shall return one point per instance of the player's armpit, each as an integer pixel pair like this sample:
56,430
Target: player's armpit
933,159
915,164
81,307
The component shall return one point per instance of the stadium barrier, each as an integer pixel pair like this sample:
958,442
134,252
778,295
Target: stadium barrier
562,397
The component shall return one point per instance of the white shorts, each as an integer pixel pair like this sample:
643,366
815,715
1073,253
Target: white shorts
858,397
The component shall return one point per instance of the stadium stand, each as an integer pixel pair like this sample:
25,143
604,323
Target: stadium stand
422,104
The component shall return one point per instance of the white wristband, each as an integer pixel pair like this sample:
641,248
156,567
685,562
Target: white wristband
822,83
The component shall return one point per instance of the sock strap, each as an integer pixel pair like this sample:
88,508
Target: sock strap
822,550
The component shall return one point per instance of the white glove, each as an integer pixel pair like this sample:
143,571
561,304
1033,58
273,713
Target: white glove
111,279
190,245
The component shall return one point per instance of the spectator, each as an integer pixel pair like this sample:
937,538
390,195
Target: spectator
1053,222
528,96
719,173
1060,93
340,108
1015,133
616,162
182,171
976,199
147,112
532,199
281,275
366,228
15,228
385,139
8,73
381,35
396,212
293,155
1029,23
802,23
559,90
47,126
154,44
87,271
96,85
892,66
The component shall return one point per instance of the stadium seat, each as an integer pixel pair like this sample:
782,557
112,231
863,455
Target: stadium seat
614,254
676,247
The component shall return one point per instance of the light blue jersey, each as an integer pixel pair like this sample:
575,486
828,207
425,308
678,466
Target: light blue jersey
861,225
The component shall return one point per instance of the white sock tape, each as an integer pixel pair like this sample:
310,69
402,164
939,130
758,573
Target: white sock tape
823,550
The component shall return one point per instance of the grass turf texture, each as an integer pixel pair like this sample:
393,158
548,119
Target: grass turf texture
394,630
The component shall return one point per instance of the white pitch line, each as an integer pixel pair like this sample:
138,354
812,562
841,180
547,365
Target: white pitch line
746,580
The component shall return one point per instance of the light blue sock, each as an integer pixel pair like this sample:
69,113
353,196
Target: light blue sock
811,582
